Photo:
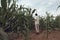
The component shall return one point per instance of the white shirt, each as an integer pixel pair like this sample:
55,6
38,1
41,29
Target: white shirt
36,19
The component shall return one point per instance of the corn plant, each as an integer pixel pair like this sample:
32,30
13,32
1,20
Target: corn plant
57,22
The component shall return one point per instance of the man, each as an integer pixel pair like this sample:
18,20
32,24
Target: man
36,23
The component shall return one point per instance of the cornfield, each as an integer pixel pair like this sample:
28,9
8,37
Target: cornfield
20,20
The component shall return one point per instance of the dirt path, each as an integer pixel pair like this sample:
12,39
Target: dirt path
53,35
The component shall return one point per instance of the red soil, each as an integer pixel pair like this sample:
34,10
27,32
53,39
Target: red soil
53,35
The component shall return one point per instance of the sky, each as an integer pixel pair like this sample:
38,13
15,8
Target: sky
42,6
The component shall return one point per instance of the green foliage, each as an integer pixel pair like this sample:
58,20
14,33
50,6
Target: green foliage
21,19
57,21
58,7
42,23
4,4
14,20
47,23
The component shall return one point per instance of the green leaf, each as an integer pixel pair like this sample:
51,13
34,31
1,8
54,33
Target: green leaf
33,11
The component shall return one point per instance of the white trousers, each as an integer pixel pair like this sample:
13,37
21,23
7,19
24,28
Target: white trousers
37,27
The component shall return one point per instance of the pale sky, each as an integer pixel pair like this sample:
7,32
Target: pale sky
42,6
